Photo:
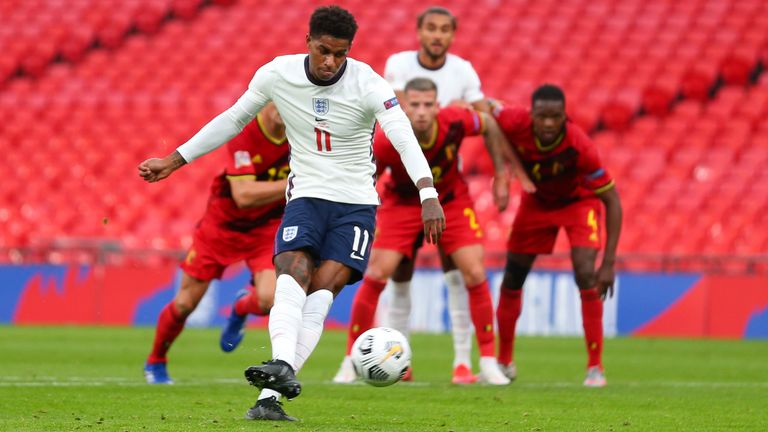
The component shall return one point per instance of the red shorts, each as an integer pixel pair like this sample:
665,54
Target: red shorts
535,228
214,249
399,226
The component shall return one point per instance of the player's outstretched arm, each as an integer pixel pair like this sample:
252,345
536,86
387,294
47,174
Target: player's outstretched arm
605,274
156,169
223,127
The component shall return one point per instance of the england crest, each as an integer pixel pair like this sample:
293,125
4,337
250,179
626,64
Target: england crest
321,106
289,233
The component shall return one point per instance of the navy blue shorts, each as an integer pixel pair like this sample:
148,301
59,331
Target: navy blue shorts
329,231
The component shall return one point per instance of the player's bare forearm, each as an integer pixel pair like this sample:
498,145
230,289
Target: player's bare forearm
518,170
613,221
482,106
495,143
249,194
155,169
424,183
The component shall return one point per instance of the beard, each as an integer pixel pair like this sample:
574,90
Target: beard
435,53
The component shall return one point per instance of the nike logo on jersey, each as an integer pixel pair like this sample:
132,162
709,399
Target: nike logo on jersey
355,256
319,119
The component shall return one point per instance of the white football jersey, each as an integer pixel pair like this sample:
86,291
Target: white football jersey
455,80
329,125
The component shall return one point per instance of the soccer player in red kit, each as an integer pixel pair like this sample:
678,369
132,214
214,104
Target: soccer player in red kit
571,183
244,211
440,132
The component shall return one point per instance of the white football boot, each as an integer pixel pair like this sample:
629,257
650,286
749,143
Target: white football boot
595,377
346,373
490,373
509,371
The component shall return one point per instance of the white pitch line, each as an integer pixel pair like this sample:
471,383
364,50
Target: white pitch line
50,381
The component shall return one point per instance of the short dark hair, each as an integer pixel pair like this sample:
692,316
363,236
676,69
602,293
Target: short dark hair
548,92
332,21
435,10
420,84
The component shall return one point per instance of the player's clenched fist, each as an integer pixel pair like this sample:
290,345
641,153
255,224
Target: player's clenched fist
156,169
434,220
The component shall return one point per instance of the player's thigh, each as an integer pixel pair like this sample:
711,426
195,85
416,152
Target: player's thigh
516,270
383,263
469,260
190,293
330,275
404,270
582,222
349,237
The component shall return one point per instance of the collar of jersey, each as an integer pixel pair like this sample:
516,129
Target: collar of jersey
418,60
432,139
318,82
266,133
550,147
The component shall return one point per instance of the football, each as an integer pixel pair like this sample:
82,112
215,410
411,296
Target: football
381,356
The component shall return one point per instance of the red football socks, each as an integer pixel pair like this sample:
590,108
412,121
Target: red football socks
169,324
592,318
249,304
481,310
363,309
507,313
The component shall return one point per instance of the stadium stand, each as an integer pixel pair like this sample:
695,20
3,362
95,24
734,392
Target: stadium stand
674,93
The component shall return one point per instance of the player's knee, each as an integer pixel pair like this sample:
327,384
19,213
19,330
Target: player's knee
185,306
265,304
474,275
584,277
295,264
377,273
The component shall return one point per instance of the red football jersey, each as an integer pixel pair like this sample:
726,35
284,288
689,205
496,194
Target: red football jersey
442,152
252,155
566,171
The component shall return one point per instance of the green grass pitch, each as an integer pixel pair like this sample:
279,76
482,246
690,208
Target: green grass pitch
89,379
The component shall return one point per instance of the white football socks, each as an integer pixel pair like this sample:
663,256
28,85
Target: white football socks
400,307
268,393
461,321
285,319
313,317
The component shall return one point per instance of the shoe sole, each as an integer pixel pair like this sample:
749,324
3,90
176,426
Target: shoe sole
463,381
259,378
260,416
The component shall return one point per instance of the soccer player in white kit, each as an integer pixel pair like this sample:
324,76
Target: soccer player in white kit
330,104
458,84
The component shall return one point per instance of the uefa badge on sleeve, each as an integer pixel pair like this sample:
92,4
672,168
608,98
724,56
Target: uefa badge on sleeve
242,159
321,106
289,233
